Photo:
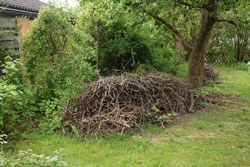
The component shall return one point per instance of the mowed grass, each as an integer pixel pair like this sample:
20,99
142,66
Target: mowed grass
218,136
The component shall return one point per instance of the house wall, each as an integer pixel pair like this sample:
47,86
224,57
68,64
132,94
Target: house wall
14,29
7,21
9,37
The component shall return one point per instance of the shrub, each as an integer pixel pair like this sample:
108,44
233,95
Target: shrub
121,48
54,52
166,62
124,42
16,99
54,56
52,119
143,70
161,43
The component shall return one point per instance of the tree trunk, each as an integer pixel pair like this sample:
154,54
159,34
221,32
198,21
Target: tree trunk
197,60
241,45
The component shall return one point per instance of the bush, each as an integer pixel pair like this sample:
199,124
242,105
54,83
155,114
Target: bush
54,52
143,70
161,43
121,49
166,63
52,119
54,56
124,42
16,99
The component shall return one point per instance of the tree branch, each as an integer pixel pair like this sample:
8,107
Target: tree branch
186,46
227,21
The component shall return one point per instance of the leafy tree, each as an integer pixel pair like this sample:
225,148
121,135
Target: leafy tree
95,15
123,40
231,43
210,12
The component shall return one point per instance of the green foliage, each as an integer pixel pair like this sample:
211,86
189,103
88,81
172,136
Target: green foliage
155,108
95,15
183,18
54,52
16,99
121,48
51,120
167,62
144,69
167,116
161,44
230,41
229,44
206,90
125,40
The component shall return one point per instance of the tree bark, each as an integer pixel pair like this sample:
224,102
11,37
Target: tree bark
197,60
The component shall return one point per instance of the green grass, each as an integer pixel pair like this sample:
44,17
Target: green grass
236,81
219,136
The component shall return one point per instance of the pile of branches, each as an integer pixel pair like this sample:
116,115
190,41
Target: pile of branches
210,75
125,102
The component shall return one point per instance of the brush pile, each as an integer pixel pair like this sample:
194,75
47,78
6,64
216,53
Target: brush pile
210,75
121,103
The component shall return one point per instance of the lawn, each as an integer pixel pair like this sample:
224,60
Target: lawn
217,136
